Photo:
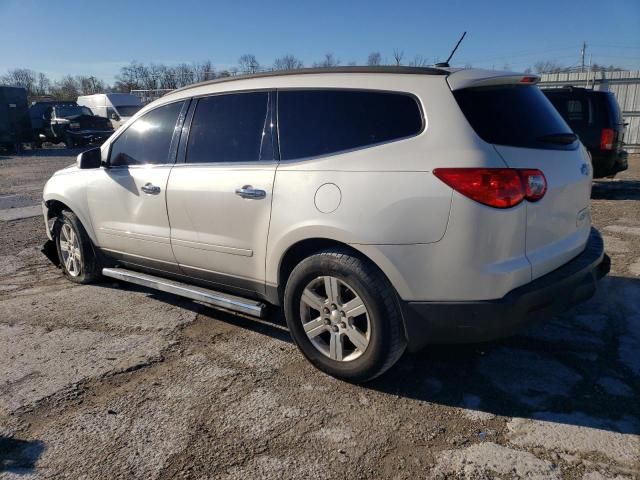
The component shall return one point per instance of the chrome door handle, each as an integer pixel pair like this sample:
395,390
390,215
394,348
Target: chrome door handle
249,192
150,189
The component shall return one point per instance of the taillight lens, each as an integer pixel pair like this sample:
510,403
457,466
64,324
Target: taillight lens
606,139
535,184
495,187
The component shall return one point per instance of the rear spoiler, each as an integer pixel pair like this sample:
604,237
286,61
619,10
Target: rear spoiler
471,78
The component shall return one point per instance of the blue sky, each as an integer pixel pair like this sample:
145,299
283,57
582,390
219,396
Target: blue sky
98,37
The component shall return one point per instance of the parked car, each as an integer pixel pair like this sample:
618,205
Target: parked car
74,125
378,206
39,121
595,117
15,128
117,107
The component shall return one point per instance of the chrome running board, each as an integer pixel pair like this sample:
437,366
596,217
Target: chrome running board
218,299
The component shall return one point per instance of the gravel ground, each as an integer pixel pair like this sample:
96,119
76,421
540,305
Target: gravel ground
109,381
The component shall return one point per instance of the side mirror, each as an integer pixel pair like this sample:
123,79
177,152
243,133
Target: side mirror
90,159
114,116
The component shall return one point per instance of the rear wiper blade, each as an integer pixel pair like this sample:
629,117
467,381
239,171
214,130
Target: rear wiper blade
559,138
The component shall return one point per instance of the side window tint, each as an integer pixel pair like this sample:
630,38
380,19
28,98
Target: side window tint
148,139
230,128
320,122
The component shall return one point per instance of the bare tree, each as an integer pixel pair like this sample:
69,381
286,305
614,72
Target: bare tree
184,75
419,61
204,71
374,59
20,77
248,63
329,60
43,84
67,88
89,85
547,66
398,55
287,62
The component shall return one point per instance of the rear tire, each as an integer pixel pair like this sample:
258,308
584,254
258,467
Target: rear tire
348,324
78,258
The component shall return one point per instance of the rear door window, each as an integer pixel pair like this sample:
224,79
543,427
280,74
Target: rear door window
514,115
322,122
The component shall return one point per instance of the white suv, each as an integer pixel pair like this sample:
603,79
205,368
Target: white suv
380,207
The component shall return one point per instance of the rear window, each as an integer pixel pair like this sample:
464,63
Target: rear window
513,115
322,122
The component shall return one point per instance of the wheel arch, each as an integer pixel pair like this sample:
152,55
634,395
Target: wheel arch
304,248
54,205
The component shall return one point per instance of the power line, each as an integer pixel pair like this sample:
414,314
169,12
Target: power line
615,46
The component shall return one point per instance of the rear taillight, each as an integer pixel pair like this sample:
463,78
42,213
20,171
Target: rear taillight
606,139
495,187
535,184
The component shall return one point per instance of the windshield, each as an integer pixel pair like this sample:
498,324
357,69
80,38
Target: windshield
128,110
515,115
63,111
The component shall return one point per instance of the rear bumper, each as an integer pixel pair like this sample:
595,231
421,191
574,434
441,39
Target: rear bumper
477,321
608,163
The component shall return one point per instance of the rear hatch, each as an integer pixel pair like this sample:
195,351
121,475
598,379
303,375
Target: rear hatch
513,115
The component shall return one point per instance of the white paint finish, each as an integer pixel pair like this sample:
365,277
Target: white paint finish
554,232
213,228
69,187
485,265
432,243
328,198
125,218
471,77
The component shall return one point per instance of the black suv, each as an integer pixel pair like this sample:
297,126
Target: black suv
74,125
595,117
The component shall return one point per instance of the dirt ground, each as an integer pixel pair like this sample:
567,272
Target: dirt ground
109,381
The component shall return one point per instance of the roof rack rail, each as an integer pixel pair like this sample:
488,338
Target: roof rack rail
307,71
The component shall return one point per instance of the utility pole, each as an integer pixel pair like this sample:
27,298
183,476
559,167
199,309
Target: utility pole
584,47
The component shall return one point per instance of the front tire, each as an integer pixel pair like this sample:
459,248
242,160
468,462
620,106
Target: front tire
76,252
344,316
69,142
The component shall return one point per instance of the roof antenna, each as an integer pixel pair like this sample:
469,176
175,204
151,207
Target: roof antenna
446,63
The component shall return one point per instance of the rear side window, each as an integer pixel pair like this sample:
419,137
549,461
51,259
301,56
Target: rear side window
230,128
575,110
513,115
321,122
147,140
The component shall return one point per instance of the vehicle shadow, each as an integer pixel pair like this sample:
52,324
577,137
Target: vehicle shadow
19,456
273,325
616,190
580,368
